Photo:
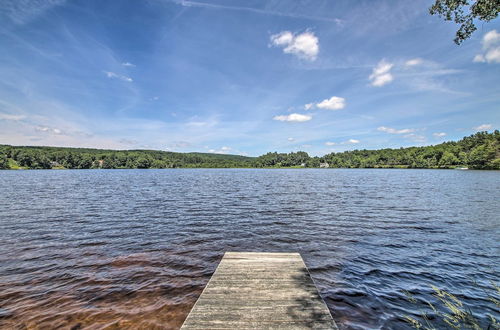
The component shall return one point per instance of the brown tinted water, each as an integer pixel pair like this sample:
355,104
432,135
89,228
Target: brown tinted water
134,248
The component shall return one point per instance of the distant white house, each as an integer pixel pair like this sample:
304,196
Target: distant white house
324,165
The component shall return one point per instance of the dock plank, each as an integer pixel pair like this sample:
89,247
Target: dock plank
257,290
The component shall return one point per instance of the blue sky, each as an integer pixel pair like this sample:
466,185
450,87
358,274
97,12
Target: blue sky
242,77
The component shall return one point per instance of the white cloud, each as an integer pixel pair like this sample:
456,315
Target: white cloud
408,133
381,74
479,58
382,68
309,106
47,129
492,38
333,103
294,117
128,64
395,131
222,150
284,38
350,141
382,80
291,139
439,134
415,137
7,116
483,127
304,45
112,75
413,62
491,48
493,55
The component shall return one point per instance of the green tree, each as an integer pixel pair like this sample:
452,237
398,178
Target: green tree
143,162
481,156
4,163
24,158
85,161
494,164
448,159
464,12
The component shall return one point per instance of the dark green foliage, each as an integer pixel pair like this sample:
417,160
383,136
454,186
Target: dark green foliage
274,159
80,158
4,163
478,151
464,13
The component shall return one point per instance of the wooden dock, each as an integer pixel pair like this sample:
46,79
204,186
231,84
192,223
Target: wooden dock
254,290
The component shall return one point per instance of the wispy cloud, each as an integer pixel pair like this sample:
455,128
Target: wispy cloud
439,134
381,74
294,117
113,75
350,141
128,64
7,116
23,11
395,131
408,133
50,130
304,45
415,137
197,122
424,75
188,3
221,150
414,62
179,145
483,127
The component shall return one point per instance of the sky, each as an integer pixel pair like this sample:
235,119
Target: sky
242,76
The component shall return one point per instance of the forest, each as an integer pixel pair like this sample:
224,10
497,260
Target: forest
478,151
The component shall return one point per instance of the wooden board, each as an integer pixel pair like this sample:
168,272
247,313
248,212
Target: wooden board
256,290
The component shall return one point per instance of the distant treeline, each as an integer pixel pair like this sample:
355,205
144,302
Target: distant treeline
478,151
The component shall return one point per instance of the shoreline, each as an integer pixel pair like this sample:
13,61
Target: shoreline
254,168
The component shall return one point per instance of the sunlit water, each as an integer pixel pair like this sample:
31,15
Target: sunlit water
134,248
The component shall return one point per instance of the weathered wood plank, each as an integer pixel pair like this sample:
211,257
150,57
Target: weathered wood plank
257,290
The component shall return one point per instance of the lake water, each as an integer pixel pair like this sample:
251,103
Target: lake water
134,248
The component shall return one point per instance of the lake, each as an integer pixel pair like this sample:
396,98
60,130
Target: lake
134,248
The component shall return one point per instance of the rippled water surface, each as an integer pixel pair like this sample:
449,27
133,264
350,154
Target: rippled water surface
134,248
